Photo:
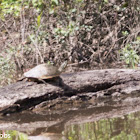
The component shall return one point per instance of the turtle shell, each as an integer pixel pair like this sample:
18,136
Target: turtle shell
43,71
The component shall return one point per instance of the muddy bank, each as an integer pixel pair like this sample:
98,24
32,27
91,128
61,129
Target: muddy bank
80,86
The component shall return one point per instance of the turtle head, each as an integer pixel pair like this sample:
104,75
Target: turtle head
63,66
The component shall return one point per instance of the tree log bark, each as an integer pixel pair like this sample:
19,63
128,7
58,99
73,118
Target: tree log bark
81,85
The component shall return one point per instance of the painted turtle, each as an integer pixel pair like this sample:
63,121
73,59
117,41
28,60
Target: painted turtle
44,71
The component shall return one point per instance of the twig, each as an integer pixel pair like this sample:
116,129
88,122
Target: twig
42,60
8,32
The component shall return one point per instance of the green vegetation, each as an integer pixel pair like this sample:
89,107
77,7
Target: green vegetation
130,54
12,135
54,30
7,67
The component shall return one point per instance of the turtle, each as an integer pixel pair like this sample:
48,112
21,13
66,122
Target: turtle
44,71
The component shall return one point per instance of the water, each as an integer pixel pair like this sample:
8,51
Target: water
126,127
122,128
118,120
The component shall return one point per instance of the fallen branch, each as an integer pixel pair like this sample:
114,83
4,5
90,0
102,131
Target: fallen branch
86,85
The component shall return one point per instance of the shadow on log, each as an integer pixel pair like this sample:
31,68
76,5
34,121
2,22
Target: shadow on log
86,85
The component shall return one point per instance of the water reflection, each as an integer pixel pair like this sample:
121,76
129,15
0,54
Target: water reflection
126,127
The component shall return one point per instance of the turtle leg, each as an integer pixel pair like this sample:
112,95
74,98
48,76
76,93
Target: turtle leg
42,81
21,79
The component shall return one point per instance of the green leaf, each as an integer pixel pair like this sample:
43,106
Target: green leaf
106,1
73,10
51,11
39,19
138,38
79,0
55,2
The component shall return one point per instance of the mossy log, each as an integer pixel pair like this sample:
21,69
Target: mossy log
86,85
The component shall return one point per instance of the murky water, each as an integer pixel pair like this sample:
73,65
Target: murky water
86,124
122,128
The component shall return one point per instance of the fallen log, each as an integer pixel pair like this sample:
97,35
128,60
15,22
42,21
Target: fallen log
84,85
